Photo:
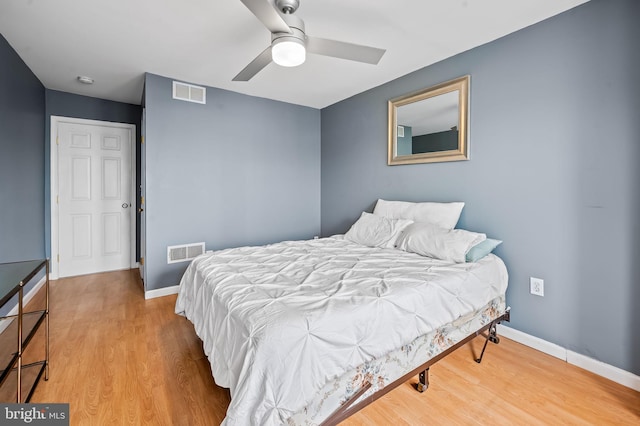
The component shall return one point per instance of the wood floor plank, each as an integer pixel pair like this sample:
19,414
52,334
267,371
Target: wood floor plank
119,359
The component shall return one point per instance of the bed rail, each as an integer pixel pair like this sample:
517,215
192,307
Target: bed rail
350,407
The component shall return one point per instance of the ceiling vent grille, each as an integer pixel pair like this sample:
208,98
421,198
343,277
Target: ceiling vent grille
184,252
189,92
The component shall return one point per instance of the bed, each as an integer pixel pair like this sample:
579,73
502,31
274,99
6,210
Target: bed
308,332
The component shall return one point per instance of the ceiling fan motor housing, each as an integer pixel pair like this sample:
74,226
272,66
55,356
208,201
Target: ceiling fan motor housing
297,30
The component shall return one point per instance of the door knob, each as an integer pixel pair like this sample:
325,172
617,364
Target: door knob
125,205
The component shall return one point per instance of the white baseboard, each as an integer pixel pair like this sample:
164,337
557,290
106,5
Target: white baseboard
618,375
159,292
25,300
533,342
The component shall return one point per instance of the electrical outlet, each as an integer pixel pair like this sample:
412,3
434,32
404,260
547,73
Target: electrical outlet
536,286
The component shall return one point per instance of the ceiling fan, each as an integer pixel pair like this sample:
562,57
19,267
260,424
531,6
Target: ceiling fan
289,42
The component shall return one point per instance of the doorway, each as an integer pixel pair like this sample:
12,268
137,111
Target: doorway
92,196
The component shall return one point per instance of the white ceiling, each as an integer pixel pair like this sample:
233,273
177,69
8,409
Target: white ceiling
209,41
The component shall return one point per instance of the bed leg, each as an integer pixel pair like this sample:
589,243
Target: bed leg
423,381
492,336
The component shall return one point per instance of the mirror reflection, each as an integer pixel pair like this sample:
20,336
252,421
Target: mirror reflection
429,125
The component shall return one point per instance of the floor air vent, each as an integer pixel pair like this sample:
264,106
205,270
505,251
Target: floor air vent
184,252
189,92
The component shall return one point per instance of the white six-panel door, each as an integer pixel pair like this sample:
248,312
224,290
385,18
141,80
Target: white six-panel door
94,200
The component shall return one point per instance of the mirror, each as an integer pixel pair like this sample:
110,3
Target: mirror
430,125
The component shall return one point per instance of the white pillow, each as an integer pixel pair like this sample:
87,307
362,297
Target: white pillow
444,215
376,231
428,240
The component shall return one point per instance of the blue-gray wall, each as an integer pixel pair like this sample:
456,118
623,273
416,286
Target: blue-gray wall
239,170
77,106
555,119
21,162
21,159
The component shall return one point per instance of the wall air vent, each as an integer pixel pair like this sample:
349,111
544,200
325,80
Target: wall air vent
184,252
189,92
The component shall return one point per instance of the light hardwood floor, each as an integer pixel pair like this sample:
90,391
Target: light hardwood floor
121,360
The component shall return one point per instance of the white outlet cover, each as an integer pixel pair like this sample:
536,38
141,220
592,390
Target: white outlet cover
536,286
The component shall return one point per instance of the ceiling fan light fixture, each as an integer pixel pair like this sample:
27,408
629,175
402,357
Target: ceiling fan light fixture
290,43
288,51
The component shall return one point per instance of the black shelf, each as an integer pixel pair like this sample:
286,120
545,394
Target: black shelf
18,381
31,322
31,375
16,274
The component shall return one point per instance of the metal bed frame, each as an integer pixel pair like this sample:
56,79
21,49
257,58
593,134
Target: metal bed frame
350,407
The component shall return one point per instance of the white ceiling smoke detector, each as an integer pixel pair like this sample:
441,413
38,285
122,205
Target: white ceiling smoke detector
84,79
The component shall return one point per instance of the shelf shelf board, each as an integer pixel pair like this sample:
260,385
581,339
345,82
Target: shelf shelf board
15,274
31,322
30,378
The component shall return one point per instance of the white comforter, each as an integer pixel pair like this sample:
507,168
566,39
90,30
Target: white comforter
277,322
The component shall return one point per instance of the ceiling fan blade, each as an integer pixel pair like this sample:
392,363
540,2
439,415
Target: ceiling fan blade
255,66
340,49
266,12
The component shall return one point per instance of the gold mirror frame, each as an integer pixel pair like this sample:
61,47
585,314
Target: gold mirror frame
461,85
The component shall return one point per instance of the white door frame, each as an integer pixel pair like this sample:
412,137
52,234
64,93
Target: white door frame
143,194
53,177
